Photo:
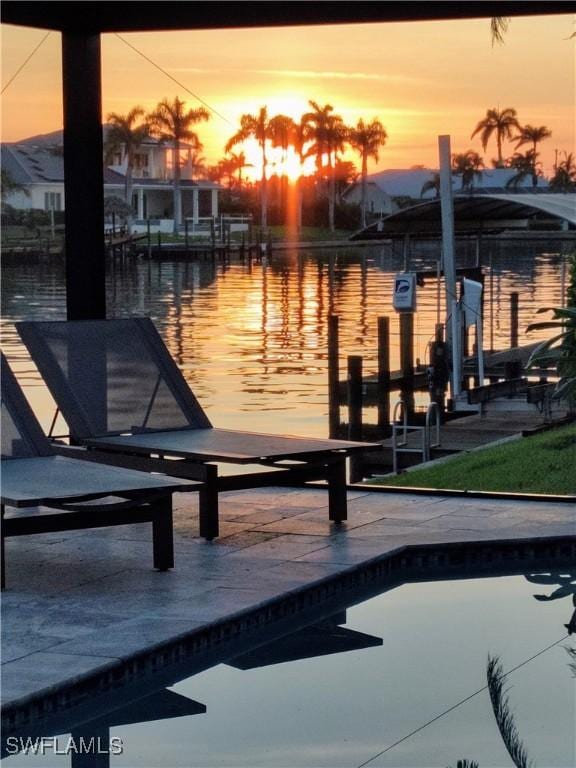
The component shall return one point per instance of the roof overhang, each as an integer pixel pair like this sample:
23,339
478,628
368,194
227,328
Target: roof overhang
96,17
480,213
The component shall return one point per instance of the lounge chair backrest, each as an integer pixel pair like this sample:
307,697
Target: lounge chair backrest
112,376
22,435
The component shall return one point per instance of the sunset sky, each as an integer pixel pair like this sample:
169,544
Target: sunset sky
419,79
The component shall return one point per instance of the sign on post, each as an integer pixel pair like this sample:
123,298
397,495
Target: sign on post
404,299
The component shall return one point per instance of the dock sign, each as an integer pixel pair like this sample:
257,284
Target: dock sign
404,299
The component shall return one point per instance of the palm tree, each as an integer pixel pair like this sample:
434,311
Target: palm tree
239,162
531,134
328,134
10,187
499,123
367,139
256,127
469,165
432,184
564,179
125,134
282,130
525,165
172,122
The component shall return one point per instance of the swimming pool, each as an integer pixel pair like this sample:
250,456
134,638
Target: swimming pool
396,680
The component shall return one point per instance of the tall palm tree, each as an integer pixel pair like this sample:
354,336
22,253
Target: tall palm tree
530,134
172,122
282,130
469,165
256,127
366,139
501,124
328,134
125,134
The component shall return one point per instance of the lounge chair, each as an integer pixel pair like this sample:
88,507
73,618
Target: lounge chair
122,395
33,475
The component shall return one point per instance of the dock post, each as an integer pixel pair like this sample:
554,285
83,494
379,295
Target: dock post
159,239
407,360
439,369
333,378
269,246
514,319
384,375
149,238
354,383
186,243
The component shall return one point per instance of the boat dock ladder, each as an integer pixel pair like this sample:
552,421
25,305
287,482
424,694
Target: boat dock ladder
401,429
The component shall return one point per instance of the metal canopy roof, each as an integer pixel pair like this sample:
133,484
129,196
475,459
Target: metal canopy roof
477,213
96,17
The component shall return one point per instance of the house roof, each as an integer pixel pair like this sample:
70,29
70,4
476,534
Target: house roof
29,164
93,18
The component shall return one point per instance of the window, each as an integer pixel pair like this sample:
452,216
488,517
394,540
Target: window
52,201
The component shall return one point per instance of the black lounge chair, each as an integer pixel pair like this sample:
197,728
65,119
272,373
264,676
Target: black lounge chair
34,475
122,395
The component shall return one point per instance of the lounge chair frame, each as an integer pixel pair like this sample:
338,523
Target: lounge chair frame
69,487
191,451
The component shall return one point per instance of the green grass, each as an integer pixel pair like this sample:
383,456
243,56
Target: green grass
542,463
306,234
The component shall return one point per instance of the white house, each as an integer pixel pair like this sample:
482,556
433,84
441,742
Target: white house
378,201
37,164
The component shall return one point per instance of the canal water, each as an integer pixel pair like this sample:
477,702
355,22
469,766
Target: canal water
252,339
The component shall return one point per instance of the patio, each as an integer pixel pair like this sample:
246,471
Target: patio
84,610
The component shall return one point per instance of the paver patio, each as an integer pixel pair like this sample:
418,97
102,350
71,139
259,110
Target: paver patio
78,602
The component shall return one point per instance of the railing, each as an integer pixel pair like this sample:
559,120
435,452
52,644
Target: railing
206,225
401,427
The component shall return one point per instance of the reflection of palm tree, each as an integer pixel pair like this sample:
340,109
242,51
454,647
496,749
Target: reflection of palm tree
531,134
503,715
126,134
501,124
468,165
567,587
367,139
170,121
256,127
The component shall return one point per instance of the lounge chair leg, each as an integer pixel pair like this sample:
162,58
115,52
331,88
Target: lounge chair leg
163,534
209,526
337,502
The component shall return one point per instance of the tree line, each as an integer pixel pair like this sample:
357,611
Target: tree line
504,126
320,133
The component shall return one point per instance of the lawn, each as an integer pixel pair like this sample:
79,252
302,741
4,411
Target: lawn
542,463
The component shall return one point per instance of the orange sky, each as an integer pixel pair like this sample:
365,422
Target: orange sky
419,79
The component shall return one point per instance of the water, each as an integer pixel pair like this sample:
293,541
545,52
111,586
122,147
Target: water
252,341
414,696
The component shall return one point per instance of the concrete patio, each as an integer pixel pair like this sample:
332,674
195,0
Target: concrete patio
84,604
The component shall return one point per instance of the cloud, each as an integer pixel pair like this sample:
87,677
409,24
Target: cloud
307,74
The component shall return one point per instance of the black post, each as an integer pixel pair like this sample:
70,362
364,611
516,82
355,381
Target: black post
149,238
83,177
333,374
513,319
384,375
355,411
186,243
407,360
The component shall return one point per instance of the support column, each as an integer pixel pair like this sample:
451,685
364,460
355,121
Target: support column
140,197
83,177
214,203
195,207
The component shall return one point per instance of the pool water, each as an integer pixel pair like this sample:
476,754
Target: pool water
398,680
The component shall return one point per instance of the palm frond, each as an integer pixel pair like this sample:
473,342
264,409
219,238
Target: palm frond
503,714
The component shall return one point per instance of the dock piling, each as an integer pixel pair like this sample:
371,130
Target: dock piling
384,374
355,385
333,380
514,319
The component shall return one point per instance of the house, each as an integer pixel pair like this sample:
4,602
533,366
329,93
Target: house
378,201
37,164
